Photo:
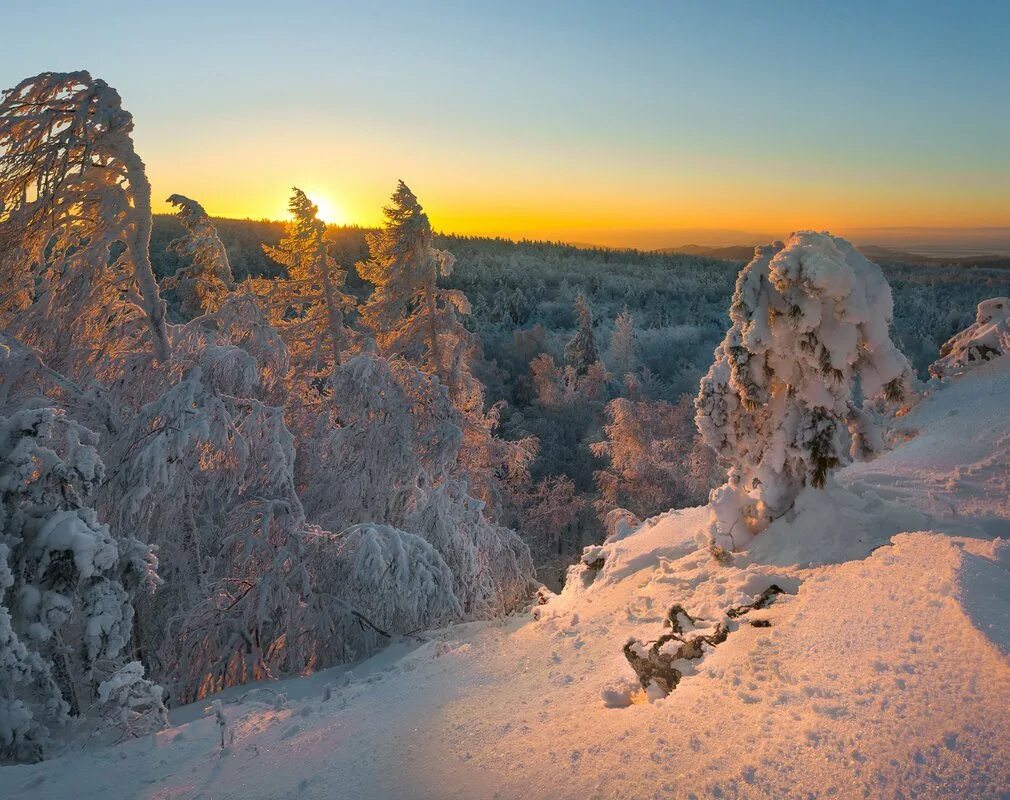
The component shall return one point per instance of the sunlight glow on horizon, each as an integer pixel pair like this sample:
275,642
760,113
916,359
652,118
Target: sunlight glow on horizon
614,126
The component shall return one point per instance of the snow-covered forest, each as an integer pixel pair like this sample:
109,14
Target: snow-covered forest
298,474
655,316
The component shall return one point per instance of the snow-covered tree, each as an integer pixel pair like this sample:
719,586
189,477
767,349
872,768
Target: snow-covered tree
307,306
75,225
386,581
413,317
809,341
388,455
581,352
206,280
66,583
622,355
362,463
985,339
409,313
655,459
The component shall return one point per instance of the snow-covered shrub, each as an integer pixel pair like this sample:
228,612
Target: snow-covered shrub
618,523
66,584
375,581
130,704
985,339
491,566
809,341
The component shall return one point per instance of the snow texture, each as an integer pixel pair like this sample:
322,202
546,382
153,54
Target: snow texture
882,671
782,402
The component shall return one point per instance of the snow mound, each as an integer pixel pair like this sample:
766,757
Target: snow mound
987,338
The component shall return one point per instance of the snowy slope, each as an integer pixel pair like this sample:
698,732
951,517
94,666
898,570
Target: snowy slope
884,671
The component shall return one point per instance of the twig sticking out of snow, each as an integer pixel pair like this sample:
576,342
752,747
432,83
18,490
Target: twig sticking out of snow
660,665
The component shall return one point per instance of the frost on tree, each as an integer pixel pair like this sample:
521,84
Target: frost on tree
408,312
413,317
623,355
66,586
581,352
781,404
655,458
307,305
387,456
75,226
206,473
985,339
386,581
206,280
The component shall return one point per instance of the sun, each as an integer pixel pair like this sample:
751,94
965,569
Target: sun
330,211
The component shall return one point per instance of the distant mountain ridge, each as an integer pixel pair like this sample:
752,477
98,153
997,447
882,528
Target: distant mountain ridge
871,251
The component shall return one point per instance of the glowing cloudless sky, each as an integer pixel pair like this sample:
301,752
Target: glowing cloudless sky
611,123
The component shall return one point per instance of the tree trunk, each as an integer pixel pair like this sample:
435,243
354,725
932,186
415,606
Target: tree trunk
334,315
139,244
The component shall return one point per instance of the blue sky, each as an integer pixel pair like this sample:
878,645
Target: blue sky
616,120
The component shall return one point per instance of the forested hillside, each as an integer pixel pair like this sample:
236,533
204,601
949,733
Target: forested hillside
656,316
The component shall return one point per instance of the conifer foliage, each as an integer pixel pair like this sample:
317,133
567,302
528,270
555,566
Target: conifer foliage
66,583
581,352
781,404
308,305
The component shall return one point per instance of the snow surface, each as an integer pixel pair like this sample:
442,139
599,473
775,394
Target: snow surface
885,671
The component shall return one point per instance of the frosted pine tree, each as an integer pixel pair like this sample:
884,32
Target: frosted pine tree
408,312
581,352
413,317
75,226
66,585
622,355
206,280
307,306
808,342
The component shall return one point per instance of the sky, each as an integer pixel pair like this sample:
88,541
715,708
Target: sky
643,124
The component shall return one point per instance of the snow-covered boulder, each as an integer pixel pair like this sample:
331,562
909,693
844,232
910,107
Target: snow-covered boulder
985,339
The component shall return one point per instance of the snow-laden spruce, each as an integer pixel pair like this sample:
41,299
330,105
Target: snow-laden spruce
307,305
781,404
66,589
207,278
985,339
